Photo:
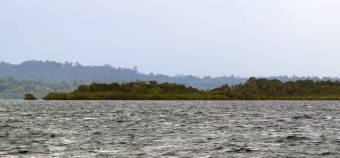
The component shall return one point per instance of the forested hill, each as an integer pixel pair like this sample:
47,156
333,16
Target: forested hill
54,72
15,89
50,72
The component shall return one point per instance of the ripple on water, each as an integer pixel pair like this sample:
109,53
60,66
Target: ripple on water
169,129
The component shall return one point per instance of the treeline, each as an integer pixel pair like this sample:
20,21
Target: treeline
264,89
132,91
252,89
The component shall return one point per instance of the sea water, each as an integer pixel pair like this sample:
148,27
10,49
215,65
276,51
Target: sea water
214,129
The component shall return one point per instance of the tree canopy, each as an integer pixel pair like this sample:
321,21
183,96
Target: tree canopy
252,89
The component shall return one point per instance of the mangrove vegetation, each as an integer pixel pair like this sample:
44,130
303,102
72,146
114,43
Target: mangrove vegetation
252,89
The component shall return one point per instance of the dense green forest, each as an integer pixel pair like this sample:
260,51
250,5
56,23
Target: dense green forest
131,91
265,89
15,89
252,89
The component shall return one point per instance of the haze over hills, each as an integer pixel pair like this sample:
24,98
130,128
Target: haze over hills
43,77
54,72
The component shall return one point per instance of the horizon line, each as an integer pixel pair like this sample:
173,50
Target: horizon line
136,68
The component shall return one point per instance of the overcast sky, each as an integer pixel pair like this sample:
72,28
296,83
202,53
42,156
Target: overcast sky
199,37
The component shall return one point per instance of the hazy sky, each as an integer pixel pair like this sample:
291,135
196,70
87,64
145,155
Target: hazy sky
199,37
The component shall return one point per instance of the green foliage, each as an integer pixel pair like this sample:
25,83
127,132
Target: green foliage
252,89
16,89
30,97
131,91
264,89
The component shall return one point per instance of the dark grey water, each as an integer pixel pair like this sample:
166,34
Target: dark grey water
169,129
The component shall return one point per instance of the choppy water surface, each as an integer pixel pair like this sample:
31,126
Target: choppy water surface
169,129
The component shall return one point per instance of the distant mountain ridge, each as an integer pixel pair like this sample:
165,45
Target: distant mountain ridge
54,72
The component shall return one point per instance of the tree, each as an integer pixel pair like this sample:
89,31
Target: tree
30,97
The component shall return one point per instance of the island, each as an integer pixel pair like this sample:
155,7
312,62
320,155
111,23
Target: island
252,89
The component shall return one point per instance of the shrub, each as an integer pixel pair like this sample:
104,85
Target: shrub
30,97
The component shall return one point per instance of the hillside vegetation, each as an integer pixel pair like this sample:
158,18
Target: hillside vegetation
15,89
252,89
54,72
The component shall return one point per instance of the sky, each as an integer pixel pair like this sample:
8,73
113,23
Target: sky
176,37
